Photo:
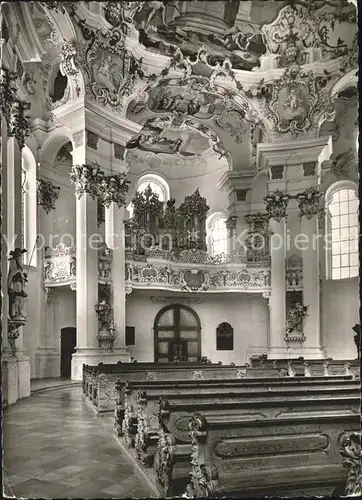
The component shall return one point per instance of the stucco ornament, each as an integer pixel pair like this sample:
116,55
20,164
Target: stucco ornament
290,35
308,202
351,459
295,102
47,194
86,179
112,71
304,34
277,205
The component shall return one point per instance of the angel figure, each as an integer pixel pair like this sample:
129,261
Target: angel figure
293,101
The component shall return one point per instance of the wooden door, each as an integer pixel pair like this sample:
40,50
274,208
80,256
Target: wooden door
177,332
68,341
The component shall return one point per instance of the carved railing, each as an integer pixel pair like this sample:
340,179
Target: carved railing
189,277
190,270
60,265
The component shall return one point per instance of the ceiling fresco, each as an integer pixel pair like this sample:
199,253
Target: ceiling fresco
200,77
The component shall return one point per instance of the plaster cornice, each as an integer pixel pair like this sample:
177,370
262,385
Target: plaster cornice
83,114
292,152
235,180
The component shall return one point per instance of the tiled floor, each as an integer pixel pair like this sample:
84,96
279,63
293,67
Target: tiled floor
56,447
43,384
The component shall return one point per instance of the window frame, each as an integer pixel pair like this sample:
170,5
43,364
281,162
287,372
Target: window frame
331,191
210,223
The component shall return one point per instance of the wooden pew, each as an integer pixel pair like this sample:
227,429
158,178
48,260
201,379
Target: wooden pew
99,381
309,368
136,402
351,454
232,454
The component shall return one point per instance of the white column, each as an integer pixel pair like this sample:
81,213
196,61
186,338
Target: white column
276,348
114,232
9,365
231,228
311,289
86,282
15,231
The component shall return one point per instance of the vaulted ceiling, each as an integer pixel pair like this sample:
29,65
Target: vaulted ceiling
200,78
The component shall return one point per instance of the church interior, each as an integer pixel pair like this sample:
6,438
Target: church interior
180,248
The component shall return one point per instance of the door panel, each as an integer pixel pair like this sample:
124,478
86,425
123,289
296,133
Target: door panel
177,332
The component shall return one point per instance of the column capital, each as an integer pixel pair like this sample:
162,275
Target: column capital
230,222
308,202
86,179
258,222
277,204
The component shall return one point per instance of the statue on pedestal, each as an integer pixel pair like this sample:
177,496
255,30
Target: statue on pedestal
16,287
357,338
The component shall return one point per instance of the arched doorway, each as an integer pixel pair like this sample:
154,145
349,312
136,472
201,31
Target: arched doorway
177,332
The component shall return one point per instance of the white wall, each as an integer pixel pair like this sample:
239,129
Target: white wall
340,312
247,314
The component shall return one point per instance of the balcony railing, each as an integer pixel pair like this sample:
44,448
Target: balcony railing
190,270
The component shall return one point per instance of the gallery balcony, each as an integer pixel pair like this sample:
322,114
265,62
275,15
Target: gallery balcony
191,270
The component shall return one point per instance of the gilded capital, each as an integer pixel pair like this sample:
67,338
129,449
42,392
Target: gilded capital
277,205
308,202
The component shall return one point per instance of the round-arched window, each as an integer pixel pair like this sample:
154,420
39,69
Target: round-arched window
343,225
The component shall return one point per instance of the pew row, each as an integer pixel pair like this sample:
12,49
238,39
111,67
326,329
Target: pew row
99,381
307,368
234,455
136,401
151,427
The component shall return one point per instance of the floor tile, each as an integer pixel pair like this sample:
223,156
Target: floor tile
55,446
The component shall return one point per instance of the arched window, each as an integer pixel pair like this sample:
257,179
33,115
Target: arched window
342,203
216,234
158,186
29,205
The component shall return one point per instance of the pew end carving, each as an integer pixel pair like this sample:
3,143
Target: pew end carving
165,454
204,475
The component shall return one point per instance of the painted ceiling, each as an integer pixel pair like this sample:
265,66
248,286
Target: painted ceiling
201,78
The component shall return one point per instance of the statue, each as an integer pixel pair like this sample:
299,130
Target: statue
16,286
357,338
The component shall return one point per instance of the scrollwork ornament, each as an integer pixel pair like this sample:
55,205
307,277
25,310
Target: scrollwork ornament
277,205
18,124
308,202
114,188
86,179
67,54
204,475
351,454
47,194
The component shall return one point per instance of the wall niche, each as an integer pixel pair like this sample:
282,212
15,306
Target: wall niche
224,337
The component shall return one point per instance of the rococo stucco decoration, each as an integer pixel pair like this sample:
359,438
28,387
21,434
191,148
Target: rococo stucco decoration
47,194
111,69
308,202
297,102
